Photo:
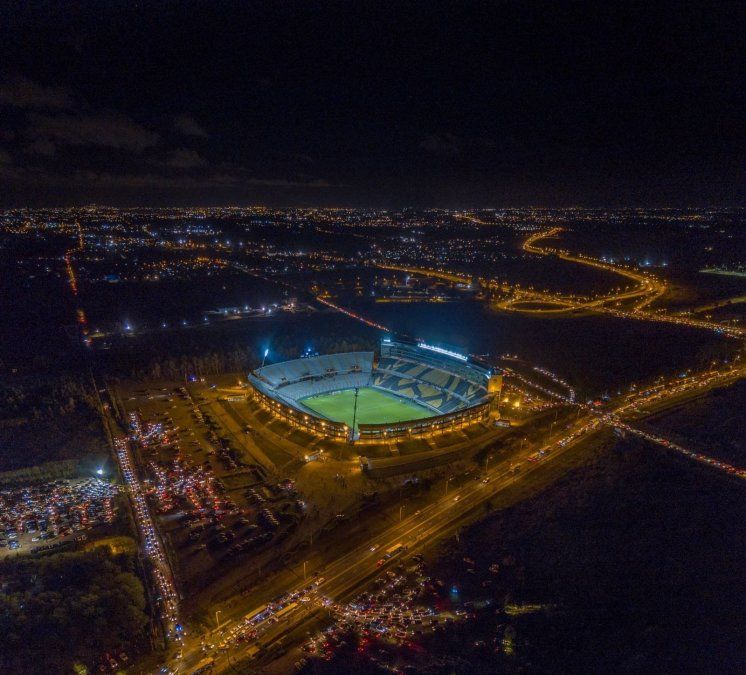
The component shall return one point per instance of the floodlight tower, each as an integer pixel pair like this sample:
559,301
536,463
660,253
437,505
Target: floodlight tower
354,411
494,387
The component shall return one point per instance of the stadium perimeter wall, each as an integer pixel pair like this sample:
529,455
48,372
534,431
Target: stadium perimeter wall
427,426
298,418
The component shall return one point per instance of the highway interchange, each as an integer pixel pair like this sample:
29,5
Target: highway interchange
631,303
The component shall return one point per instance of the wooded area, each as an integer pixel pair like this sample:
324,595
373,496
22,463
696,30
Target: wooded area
69,607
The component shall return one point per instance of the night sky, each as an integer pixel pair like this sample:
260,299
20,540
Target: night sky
382,104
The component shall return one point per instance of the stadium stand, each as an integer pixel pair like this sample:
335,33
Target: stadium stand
455,389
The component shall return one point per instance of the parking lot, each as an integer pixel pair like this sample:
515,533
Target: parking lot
215,505
51,515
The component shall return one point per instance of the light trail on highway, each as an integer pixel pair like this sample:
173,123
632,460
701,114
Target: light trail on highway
152,545
675,389
346,573
352,315
649,290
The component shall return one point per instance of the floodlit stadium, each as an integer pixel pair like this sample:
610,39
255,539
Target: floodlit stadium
410,389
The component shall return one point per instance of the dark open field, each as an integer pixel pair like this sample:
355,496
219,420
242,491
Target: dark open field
635,562
713,424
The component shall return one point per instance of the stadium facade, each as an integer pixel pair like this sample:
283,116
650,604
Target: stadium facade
450,390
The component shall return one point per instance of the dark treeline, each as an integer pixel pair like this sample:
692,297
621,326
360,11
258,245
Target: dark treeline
150,359
41,473
47,419
38,397
50,417
68,608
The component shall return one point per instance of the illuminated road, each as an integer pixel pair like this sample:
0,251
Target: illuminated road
649,290
160,573
345,574
255,638
152,545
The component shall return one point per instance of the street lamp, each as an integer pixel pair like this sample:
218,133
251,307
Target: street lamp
400,511
217,620
305,562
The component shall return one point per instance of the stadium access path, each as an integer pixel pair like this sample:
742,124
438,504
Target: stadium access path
233,424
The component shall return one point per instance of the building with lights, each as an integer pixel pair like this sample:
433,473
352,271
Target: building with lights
408,390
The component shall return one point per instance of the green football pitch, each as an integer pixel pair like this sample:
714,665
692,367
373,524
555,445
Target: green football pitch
373,407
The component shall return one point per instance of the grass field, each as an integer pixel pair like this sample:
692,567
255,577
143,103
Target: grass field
373,407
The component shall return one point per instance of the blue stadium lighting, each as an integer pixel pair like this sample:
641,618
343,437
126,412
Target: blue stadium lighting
440,350
387,339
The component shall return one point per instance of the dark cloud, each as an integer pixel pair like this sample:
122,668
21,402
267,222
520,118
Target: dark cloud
501,103
269,182
20,92
5,158
185,159
441,145
148,180
452,145
304,159
42,147
109,130
187,125
152,180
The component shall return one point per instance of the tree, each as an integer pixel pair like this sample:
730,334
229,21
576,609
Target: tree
68,608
